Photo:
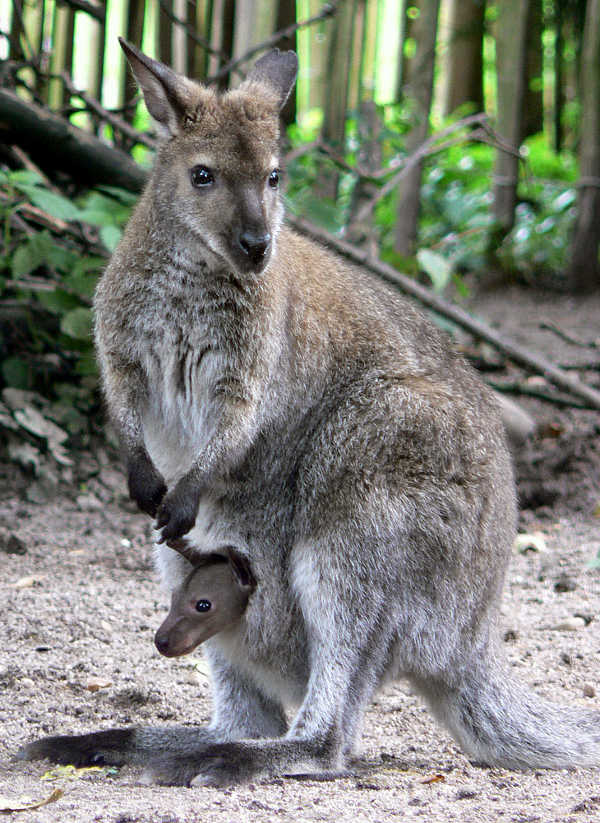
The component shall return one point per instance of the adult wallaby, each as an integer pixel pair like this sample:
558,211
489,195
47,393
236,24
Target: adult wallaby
272,398
211,599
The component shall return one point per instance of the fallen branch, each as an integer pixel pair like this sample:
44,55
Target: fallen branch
515,352
530,391
569,338
46,136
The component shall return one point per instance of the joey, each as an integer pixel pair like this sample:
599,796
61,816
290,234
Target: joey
212,598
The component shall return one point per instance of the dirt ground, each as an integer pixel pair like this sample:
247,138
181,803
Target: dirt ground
80,604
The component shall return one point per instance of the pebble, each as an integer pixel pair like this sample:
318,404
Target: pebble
589,690
88,503
565,584
571,624
11,543
535,542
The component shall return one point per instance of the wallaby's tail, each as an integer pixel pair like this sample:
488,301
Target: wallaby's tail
498,721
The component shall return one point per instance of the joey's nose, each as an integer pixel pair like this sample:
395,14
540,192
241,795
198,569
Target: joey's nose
161,641
255,246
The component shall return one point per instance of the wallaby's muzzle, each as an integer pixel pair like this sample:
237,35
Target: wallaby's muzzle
256,247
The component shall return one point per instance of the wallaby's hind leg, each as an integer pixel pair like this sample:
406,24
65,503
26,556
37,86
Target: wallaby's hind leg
242,711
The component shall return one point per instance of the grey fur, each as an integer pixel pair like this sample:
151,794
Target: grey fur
315,420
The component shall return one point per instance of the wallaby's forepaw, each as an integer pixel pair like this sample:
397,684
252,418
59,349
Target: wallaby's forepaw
108,747
177,512
146,485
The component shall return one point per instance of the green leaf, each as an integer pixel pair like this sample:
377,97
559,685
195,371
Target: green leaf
24,261
437,267
86,364
58,301
77,324
16,373
110,236
31,254
25,176
54,204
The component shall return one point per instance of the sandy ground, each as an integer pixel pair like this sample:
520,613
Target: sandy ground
80,605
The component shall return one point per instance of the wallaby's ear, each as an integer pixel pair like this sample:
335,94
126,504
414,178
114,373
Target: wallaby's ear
241,568
278,70
166,93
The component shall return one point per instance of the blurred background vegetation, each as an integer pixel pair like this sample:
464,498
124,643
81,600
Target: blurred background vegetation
450,139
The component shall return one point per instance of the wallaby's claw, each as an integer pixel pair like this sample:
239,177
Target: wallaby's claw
177,512
146,485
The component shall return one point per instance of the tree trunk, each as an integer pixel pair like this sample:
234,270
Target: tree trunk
463,61
135,33
559,92
510,71
419,90
286,16
336,103
165,29
584,269
533,99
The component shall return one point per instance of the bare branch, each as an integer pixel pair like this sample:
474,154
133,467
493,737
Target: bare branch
569,338
200,41
95,11
109,117
328,10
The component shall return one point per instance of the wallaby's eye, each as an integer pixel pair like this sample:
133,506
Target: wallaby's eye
203,606
201,176
274,178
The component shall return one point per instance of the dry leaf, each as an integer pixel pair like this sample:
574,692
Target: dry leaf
437,778
7,806
94,684
27,582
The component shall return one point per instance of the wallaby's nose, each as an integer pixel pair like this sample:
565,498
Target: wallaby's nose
255,245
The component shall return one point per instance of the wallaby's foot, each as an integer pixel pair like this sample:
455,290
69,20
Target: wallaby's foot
116,747
229,764
177,512
111,747
146,485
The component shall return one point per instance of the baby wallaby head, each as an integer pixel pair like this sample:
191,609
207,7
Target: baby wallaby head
217,174
213,597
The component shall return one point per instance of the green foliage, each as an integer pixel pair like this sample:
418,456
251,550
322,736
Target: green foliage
47,281
457,233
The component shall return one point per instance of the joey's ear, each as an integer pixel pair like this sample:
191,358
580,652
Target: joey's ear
278,70
241,568
166,93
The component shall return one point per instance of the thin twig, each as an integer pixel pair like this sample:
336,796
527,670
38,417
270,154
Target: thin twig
569,338
199,41
116,122
426,148
97,12
328,10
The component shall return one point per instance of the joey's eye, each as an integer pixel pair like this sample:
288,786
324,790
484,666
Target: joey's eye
203,606
274,178
201,176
